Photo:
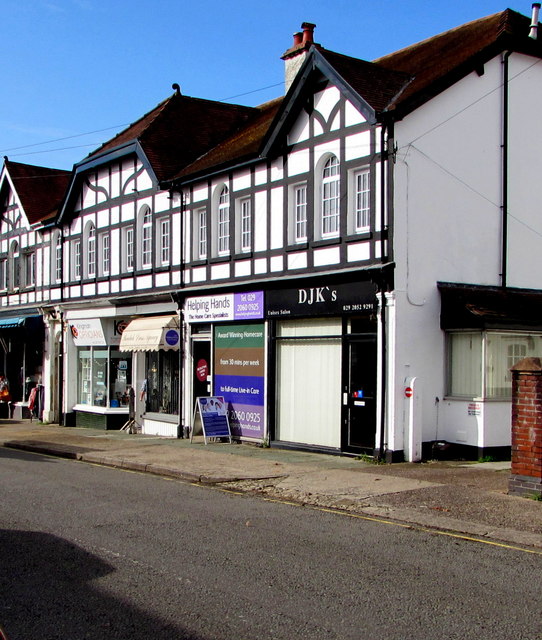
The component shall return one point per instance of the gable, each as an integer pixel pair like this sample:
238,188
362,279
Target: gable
38,191
318,90
324,114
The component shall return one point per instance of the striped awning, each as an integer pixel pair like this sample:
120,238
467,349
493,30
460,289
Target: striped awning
151,334
18,321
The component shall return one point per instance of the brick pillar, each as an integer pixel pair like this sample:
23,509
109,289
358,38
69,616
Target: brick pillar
526,478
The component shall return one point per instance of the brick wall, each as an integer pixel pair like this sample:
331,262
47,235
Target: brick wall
526,478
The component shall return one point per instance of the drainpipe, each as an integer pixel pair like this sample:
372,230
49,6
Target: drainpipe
504,146
383,288
180,426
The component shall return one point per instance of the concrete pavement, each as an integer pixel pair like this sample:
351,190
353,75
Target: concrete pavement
465,498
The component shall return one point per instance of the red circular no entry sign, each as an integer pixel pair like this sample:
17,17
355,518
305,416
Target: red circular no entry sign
408,392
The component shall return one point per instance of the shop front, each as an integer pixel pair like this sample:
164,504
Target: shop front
154,343
102,372
21,358
324,354
226,346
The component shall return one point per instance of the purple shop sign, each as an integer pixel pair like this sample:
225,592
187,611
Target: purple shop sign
248,306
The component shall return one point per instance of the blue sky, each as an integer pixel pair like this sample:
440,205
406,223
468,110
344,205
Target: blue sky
73,67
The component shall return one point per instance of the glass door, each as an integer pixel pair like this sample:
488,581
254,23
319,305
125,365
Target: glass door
360,393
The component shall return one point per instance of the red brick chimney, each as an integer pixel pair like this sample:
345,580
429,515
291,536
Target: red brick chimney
296,54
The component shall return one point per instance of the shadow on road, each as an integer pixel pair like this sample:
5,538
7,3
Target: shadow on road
17,454
46,593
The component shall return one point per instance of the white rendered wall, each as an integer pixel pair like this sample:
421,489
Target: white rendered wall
447,227
525,142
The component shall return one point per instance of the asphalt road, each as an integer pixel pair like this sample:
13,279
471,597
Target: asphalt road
92,552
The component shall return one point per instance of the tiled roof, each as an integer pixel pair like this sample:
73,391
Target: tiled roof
398,82
377,85
241,146
179,130
40,189
438,62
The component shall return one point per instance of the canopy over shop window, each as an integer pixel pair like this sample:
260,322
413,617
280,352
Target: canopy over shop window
11,323
20,321
151,334
466,306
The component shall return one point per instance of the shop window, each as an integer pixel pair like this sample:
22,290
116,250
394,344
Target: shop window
308,357
104,376
465,365
162,386
479,362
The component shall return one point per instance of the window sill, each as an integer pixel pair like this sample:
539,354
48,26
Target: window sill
200,262
243,254
472,399
219,259
326,242
298,246
171,418
362,235
92,408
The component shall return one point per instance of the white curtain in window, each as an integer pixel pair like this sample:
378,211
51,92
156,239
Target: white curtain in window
465,364
309,391
504,350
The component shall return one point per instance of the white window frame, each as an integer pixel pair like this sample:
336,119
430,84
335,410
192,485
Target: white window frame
30,269
129,248
105,254
15,265
244,225
299,214
330,214
91,251
201,243
146,238
164,238
223,222
76,257
362,200
58,258
3,274
496,351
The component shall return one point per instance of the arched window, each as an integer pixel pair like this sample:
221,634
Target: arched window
14,265
331,186
58,257
223,222
145,226
90,270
